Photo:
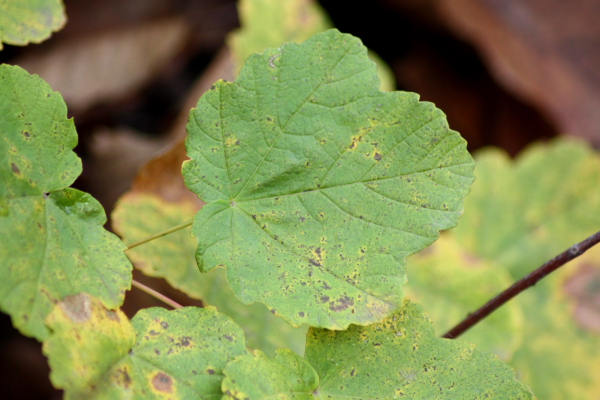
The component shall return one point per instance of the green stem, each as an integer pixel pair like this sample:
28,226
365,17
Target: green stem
155,294
160,234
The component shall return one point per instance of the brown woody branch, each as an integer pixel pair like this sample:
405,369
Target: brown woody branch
528,281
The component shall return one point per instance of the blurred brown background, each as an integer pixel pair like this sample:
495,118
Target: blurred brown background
506,73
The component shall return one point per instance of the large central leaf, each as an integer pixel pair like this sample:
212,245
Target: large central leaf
318,184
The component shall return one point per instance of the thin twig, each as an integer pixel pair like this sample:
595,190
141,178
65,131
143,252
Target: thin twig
155,294
530,280
160,234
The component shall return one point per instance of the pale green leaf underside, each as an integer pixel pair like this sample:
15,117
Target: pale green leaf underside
398,358
25,21
96,353
138,216
52,243
318,184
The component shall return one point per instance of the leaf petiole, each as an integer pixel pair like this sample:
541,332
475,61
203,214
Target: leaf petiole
155,294
160,234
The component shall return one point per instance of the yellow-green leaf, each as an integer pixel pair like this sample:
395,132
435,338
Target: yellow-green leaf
269,23
29,21
97,353
519,215
451,283
398,358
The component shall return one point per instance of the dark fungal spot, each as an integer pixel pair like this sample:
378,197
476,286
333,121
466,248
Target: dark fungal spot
324,299
163,383
123,377
352,372
326,286
377,156
185,341
212,87
228,338
341,304
164,325
301,314
14,168
210,371
314,262
273,311
26,134
153,332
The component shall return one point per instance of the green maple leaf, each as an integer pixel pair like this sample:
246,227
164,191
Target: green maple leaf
52,243
98,353
400,357
319,185
25,21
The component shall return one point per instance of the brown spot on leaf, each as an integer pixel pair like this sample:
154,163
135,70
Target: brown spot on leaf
123,377
324,299
185,341
78,307
14,168
163,383
210,371
113,315
228,338
377,156
314,262
341,304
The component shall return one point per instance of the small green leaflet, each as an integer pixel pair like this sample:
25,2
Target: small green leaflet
25,21
398,358
97,353
139,215
52,243
319,185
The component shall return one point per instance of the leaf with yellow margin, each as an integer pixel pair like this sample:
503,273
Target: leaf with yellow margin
451,283
29,21
519,215
98,353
